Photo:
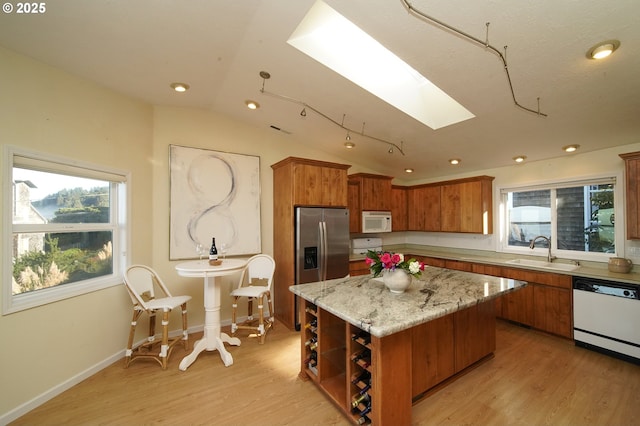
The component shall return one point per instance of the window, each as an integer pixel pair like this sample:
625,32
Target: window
579,218
67,223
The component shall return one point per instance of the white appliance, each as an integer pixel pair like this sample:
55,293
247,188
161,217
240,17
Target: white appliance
606,317
376,222
363,245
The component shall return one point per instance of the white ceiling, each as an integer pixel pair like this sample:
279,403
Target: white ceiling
219,47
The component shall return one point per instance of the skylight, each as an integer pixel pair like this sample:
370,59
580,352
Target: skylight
337,43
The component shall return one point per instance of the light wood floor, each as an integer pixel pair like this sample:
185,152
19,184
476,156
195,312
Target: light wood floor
534,379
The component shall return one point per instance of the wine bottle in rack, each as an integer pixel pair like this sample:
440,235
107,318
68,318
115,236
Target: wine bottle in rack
363,354
364,412
362,337
313,346
311,325
361,399
312,359
311,341
362,420
364,377
312,310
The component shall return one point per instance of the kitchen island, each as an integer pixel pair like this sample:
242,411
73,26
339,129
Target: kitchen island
375,353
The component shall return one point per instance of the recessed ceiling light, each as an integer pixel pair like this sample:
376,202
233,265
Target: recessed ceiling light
519,158
408,170
570,148
455,161
349,145
340,45
602,50
179,87
252,104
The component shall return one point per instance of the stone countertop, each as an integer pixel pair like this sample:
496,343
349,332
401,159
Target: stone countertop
586,269
365,302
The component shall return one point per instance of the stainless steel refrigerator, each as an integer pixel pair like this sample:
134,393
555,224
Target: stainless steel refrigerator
322,245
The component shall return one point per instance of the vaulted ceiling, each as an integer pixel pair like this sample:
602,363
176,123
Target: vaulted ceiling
219,48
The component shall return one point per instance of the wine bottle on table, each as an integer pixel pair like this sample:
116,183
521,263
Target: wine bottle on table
213,252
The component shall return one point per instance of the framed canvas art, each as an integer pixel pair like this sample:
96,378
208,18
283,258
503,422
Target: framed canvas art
213,194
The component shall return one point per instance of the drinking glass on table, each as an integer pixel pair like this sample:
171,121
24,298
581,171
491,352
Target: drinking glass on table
223,250
200,250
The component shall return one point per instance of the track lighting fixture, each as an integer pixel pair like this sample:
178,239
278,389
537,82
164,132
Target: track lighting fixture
265,76
349,145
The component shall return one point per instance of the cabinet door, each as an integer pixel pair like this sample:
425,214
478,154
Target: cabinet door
518,306
450,211
399,208
376,193
432,353
358,267
471,214
552,310
632,178
423,205
334,187
307,184
319,186
355,210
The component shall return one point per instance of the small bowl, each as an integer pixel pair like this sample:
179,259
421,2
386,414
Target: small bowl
215,262
620,264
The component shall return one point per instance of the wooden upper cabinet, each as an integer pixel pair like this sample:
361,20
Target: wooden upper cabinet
355,211
375,191
632,189
423,206
399,215
316,183
467,205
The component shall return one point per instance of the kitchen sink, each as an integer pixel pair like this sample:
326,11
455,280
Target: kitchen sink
544,265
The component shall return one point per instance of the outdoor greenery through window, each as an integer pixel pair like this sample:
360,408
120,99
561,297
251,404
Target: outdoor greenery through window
66,224
576,217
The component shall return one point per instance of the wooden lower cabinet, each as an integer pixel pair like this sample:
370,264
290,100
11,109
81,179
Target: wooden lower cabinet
367,377
358,267
544,304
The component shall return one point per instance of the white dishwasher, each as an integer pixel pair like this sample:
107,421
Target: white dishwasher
606,317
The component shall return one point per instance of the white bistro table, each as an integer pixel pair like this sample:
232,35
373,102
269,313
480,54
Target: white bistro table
213,339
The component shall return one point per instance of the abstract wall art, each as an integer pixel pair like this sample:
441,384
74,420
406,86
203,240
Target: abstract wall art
213,194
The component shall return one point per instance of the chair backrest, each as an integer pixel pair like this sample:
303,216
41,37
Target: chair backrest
260,266
141,282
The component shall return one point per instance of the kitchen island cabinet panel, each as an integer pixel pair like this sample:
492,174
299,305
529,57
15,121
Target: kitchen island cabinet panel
433,349
475,334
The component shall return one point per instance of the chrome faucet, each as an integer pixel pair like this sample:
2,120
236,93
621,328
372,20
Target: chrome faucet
532,245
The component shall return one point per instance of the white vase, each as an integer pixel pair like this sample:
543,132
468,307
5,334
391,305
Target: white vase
397,281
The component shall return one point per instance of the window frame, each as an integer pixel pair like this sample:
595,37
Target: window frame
619,204
119,223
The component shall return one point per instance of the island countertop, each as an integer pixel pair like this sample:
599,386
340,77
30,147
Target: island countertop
365,302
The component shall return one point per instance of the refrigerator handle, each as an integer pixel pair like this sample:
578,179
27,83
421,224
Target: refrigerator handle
323,250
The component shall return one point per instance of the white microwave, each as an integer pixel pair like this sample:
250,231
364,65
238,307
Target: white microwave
374,222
